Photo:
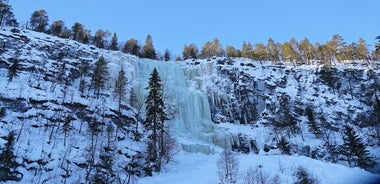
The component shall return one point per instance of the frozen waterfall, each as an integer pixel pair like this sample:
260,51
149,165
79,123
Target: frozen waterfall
192,117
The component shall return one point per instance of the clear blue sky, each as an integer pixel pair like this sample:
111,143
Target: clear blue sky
173,23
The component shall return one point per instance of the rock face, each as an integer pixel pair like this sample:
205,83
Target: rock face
65,133
62,129
270,94
246,92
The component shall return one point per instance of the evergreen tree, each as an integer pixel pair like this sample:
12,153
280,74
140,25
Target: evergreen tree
114,43
376,52
82,86
13,69
313,125
260,52
327,75
206,50
336,47
66,33
375,118
57,27
120,86
190,52
167,55
247,50
154,122
78,32
304,177
86,36
178,58
351,51
100,74
8,163
296,47
323,54
150,164
232,52
284,146
39,20
288,52
66,127
285,119
3,112
132,47
362,50
100,38
273,51
7,18
355,150
307,50
149,51
211,49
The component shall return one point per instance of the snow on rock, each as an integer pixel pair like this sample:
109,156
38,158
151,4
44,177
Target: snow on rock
213,103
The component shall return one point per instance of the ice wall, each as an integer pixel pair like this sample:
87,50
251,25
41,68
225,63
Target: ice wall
182,86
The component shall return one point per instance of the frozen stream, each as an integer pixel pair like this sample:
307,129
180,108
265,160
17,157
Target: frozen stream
192,123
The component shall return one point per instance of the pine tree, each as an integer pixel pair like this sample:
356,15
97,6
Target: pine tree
3,112
288,52
307,50
100,38
178,58
247,50
336,47
355,150
211,49
304,177
190,52
155,117
283,145
120,86
7,17
77,32
313,125
99,76
39,20
232,52
13,69
66,127
260,52
362,50
132,47
8,163
375,118
323,54
114,43
285,119
57,27
351,51
327,75
167,55
273,50
149,51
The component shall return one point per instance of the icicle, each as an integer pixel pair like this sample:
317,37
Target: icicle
193,118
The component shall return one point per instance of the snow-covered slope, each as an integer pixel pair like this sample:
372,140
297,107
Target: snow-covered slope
62,128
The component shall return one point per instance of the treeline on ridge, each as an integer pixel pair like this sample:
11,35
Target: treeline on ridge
333,50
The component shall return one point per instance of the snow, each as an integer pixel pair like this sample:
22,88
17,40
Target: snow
190,88
198,168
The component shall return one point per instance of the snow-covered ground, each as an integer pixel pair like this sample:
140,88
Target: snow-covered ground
190,88
197,168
